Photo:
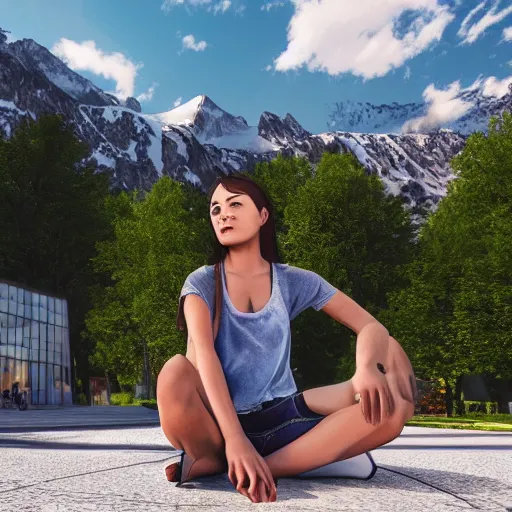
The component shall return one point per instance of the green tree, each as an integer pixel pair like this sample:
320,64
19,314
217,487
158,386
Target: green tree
159,240
338,222
455,315
51,215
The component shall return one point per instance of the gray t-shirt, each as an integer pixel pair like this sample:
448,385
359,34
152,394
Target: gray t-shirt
254,348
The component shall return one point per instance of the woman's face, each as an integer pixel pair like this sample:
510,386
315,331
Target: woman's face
237,210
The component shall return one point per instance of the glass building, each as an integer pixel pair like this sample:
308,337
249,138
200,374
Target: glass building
34,344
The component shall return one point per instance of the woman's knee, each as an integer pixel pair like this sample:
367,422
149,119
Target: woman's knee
175,367
403,412
175,378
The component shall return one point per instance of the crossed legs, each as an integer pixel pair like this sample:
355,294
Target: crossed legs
189,424
343,434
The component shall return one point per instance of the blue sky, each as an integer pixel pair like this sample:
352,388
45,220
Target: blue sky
297,56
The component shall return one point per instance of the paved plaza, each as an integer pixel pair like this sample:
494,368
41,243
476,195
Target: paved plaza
112,458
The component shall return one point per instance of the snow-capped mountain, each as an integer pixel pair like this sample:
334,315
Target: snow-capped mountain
399,118
198,140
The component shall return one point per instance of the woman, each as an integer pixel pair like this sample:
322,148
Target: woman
231,403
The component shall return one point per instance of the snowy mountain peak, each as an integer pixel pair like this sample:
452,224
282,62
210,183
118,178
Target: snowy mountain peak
36,57
281,131
206,119
133,104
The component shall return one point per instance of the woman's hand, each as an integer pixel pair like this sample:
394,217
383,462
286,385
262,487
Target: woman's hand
376,400
248,471
400,370
372,383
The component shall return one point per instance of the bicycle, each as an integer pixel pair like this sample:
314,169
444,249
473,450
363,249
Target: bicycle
17,400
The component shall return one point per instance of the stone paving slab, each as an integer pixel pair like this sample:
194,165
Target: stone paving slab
122,470
12,420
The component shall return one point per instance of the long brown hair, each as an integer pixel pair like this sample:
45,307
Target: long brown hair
238,183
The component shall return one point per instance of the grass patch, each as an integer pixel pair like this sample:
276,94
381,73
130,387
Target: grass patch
472,421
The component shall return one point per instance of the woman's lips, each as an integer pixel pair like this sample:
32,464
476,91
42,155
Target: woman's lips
226,229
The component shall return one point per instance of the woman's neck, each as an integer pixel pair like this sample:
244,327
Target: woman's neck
245,265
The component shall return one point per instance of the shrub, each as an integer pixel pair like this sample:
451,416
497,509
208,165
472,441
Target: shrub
480,407
125,398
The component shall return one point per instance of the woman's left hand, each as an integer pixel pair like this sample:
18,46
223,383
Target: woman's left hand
400,372
376,399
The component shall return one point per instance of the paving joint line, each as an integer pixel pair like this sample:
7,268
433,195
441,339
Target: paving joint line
430,485
83,474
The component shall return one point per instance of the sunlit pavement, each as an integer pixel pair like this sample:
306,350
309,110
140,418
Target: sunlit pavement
111,468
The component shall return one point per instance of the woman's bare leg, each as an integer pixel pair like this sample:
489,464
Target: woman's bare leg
187,419
343,434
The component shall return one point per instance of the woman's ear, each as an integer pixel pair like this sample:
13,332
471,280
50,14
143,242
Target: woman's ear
264,215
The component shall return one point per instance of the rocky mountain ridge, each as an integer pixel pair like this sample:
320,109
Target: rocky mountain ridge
198,140
396,118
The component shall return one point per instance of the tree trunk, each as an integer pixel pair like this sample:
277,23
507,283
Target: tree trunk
147,372
449,399
459,403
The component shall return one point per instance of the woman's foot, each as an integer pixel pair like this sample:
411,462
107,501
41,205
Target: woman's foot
192,469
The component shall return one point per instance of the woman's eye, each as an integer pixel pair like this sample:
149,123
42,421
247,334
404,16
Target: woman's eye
216,209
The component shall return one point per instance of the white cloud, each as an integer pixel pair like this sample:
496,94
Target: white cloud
169,4
270,5
494,87
340,36
222,6
407,73
86,57
471,33
444,108
10,37
177,102
465,22
148,95
507,34
189,43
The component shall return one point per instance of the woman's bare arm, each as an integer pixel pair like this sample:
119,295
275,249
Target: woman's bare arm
199,326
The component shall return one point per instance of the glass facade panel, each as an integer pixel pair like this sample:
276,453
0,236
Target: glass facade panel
58,312
3,328
13,300
35,306
51,310
43,332
11,330
4,298
43,309
26,332
19,330
34,345
34,377
42,384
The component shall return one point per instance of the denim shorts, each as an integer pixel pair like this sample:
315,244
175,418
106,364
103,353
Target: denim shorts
278,423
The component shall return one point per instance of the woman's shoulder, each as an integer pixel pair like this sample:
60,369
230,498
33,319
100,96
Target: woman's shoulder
203,277
291,270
